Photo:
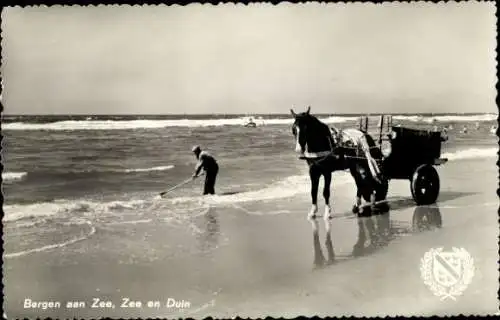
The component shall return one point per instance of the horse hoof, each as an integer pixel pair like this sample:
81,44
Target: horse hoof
327,217
328,213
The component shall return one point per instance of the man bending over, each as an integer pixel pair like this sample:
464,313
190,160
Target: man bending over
209,165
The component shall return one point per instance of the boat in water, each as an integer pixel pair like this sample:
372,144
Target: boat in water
249,123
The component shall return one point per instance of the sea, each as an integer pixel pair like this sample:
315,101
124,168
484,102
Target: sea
105,169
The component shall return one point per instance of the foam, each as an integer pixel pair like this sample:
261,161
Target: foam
286,188
151,124
480,118
37,210
449,118
13,176
16,176
90,124
408,118
160,168
44,210
471,153
282,189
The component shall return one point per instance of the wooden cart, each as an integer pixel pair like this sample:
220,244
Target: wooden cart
409,154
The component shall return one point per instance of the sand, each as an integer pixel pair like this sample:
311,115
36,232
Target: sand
258,259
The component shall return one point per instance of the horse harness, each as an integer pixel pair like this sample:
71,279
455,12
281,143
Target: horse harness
318,157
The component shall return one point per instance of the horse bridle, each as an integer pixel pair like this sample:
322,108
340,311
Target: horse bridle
323,155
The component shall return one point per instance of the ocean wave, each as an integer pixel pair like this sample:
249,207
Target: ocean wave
13,176
160,168
88,209
16,212
92,124
471,153
34,211
408,118
91,232
71,174
448,118
152,124
286,188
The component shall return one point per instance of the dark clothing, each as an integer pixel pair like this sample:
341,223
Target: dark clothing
211,176
209,164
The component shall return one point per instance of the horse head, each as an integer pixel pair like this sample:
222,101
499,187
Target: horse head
299,128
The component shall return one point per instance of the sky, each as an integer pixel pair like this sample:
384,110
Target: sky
201,59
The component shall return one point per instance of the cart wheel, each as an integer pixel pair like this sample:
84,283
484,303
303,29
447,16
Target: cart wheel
425,185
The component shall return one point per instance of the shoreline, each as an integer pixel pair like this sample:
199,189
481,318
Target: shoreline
260,261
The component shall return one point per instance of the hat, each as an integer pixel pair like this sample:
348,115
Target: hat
196,149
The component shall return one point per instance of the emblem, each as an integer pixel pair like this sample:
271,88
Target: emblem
447,273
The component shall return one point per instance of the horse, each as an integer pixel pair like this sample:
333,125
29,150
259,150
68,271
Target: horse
328,150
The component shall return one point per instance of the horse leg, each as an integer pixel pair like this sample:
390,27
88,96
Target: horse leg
314,175
357,201
326,195
373,199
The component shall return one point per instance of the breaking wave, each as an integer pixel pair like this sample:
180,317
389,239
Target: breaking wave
160,168
32,211
448,118
13,176
93,124
280,189
17,176
471,153
151,124
286,188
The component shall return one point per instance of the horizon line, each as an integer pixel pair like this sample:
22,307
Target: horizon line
246,114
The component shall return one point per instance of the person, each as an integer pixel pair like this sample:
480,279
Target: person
208,163
444,135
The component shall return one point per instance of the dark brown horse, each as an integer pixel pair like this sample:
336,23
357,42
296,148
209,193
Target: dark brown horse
326,153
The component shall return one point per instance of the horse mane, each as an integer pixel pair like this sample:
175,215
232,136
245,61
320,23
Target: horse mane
310,119
320,130
320,124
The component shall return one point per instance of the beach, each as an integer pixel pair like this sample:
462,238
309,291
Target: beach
83,221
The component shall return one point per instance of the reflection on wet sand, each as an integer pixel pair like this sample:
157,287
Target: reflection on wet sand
210,232
426,218
375,231
319,258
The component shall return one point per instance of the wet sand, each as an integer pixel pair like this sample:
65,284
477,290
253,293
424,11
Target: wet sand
261,259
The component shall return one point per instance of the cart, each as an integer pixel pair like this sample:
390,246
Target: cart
410,154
